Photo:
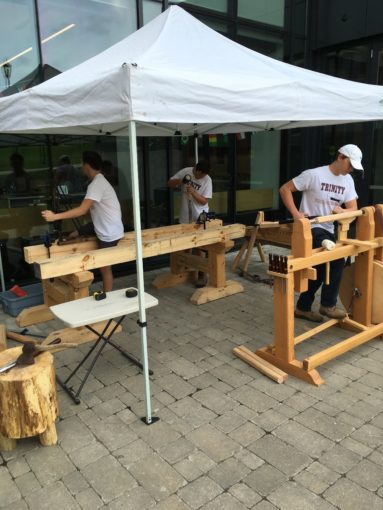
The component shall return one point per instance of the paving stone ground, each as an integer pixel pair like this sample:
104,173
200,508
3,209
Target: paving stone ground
228,438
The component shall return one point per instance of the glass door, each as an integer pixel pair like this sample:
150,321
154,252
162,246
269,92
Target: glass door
376,183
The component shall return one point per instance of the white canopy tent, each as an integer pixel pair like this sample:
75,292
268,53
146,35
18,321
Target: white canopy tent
161,81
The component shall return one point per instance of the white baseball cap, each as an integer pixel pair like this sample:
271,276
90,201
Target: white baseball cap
354,154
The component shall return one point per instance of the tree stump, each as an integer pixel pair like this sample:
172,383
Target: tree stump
28,400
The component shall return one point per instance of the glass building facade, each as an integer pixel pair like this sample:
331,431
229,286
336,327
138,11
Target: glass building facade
42,38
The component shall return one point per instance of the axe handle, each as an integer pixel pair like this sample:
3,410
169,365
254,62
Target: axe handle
21,338
51,348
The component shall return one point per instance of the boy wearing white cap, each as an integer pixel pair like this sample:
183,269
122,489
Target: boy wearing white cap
324,190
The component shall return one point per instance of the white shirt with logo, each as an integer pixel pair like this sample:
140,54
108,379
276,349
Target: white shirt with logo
105,210
322,191
203,186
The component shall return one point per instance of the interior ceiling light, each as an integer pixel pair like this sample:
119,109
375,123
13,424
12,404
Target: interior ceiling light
59,32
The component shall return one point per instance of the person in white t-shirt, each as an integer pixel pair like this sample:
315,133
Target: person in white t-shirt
102,203
324,191
197,188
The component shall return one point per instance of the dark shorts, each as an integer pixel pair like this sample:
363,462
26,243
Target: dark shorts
88,230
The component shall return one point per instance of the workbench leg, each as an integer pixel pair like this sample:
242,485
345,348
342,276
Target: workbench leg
178,274
282,355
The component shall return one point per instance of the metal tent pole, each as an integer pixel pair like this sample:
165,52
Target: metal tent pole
196,147
139,266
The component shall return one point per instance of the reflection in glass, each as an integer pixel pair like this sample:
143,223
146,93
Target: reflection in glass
19,58
95,26
270,45
377,155
349,63
213,148
151,10
214,5
271,12
257,171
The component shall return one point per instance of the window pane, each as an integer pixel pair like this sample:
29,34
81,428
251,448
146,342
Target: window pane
215,5
213,148
268,44
349,63
82,28
151,10
258,171
25,193
265,11
157,182
377,156
18,43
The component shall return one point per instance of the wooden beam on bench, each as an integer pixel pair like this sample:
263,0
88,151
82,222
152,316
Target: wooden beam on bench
125,251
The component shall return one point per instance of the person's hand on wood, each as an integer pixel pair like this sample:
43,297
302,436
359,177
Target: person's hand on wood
298,215
48,215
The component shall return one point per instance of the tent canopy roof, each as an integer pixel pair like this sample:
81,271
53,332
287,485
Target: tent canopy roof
176,75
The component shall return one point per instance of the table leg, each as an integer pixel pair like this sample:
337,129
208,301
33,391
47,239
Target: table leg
106,340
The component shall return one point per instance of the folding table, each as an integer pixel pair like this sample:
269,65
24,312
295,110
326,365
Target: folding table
87,311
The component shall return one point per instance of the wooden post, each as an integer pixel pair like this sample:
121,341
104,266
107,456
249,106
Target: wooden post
362,306
284,310
301,246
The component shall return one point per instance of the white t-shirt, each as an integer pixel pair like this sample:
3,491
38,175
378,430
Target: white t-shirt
203,186
106,210
322,192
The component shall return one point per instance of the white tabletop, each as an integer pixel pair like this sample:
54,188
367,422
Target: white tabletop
88,311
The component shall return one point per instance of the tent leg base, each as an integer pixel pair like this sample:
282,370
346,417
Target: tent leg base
154,420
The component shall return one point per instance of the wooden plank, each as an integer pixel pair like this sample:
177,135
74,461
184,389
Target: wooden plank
294,368
125,252
350,325
338,217
164,281
78,280
34,315
40,252
315,331
237,258
207,294
193,262
79,335
342,347
260,364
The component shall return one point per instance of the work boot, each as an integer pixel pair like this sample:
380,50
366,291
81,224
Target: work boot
201,280
333,312
309,315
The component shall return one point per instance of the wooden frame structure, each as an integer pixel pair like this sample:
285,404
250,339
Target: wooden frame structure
68,260
294,272
261,233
